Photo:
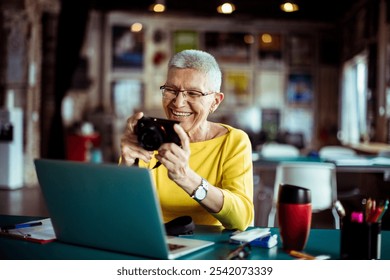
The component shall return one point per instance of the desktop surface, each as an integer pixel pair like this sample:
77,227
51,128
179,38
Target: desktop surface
321,242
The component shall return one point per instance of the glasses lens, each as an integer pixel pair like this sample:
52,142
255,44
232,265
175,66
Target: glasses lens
168,93
189,95
193,96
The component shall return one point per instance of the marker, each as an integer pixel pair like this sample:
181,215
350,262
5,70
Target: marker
19,226
357,217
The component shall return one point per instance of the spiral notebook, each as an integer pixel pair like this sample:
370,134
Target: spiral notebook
109,207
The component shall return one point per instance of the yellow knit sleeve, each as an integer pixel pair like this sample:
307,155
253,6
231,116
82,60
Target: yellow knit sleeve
237,184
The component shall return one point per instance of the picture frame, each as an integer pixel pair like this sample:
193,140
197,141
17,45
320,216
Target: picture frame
127,47
185,40
237,86
228,47
300,89
127,97
269,51
301,48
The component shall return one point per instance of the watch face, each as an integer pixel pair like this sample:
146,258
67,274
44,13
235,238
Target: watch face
200,193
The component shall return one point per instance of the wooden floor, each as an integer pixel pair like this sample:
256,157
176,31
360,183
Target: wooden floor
27,201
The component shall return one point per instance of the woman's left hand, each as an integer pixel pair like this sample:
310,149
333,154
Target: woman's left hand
175,158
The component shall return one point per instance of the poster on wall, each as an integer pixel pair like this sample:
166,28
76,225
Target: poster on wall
127,48
300,89
229,47
301,50
127,97
269,51
237,86
185,40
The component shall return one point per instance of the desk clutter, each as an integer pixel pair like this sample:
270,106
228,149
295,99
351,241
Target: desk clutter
361,230
39,231
266,245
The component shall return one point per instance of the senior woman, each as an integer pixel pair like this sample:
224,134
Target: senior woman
209,177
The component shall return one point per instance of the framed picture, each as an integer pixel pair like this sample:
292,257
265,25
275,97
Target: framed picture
127,47
127,97
301,50
185,40
228,47
269,51
299,89
237,86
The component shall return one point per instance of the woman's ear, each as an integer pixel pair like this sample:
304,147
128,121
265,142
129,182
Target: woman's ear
219,96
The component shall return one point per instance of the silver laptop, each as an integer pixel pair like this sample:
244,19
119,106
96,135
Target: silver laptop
108,207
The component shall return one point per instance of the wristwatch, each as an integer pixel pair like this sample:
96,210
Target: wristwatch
200,192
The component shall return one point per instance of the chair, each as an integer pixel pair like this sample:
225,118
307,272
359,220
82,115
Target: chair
334,153
319,177
279,150
263,189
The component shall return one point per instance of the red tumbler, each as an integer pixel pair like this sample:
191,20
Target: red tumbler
294,216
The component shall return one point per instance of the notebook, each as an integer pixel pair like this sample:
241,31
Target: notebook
108,207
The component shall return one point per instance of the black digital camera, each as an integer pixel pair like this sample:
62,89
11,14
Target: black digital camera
153,132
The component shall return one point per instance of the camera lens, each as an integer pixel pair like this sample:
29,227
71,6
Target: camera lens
151,138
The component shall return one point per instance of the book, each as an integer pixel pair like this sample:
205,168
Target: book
38,231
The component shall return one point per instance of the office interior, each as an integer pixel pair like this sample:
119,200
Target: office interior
76,70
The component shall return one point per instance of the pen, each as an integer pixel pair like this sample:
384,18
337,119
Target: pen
19,226
339,208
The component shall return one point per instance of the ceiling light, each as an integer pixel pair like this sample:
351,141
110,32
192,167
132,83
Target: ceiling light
136,27
266,38
158,6
289,7
226,8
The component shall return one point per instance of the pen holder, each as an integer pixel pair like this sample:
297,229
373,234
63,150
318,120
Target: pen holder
360,241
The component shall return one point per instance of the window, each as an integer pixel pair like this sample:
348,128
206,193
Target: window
354,100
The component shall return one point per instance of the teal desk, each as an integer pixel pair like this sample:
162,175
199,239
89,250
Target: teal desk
321,241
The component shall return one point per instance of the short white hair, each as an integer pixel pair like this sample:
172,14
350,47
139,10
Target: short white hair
201,61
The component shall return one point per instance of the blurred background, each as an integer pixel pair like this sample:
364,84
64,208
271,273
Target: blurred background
72,72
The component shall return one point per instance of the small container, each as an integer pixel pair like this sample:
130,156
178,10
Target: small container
360,241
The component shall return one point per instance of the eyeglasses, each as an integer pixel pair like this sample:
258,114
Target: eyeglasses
190,95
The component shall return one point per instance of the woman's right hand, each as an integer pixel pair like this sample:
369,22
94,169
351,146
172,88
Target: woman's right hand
130,149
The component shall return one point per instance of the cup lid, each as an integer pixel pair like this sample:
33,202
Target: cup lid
293,194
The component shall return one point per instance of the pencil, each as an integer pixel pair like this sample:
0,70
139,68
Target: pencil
301,255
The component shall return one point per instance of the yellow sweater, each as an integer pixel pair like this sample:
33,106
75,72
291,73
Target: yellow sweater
226,162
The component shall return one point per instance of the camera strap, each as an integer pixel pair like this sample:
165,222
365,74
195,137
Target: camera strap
136,162
156,165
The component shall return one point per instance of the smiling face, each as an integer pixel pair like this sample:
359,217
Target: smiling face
192,115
